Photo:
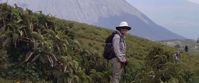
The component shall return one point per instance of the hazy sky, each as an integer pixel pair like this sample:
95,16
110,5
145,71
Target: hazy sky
195,1
179,16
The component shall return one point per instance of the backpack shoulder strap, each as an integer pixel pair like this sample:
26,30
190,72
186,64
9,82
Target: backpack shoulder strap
116,32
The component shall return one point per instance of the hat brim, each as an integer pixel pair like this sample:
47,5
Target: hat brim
124,27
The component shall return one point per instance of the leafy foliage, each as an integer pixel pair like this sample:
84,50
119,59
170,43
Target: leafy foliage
161,67
36,47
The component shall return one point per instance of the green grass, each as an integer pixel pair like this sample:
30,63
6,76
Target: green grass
182,43
137,48
90,62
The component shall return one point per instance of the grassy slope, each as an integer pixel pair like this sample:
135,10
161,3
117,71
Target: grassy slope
190,59
191,43
92,38
137,48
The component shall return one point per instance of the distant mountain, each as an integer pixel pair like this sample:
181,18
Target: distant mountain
192,44
106,13
42,51
179,16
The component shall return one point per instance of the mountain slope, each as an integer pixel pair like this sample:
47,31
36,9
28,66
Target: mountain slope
35,47
179,16
106,13
180,44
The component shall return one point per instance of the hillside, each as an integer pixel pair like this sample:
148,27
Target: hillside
105,13
176,15
41,49
192,44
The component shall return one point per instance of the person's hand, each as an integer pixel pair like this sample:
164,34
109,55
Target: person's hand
124,63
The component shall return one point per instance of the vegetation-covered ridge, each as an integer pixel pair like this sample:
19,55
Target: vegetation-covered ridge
39,48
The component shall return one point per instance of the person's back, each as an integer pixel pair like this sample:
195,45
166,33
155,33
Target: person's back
186,48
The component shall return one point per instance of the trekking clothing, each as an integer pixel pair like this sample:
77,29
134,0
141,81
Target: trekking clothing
176,55
186,48
119,46
116,71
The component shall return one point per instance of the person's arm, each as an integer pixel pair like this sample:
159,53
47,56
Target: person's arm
116,47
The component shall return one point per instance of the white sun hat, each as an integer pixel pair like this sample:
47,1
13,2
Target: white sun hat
123,24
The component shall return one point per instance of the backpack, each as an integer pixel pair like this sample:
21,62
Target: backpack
108,48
